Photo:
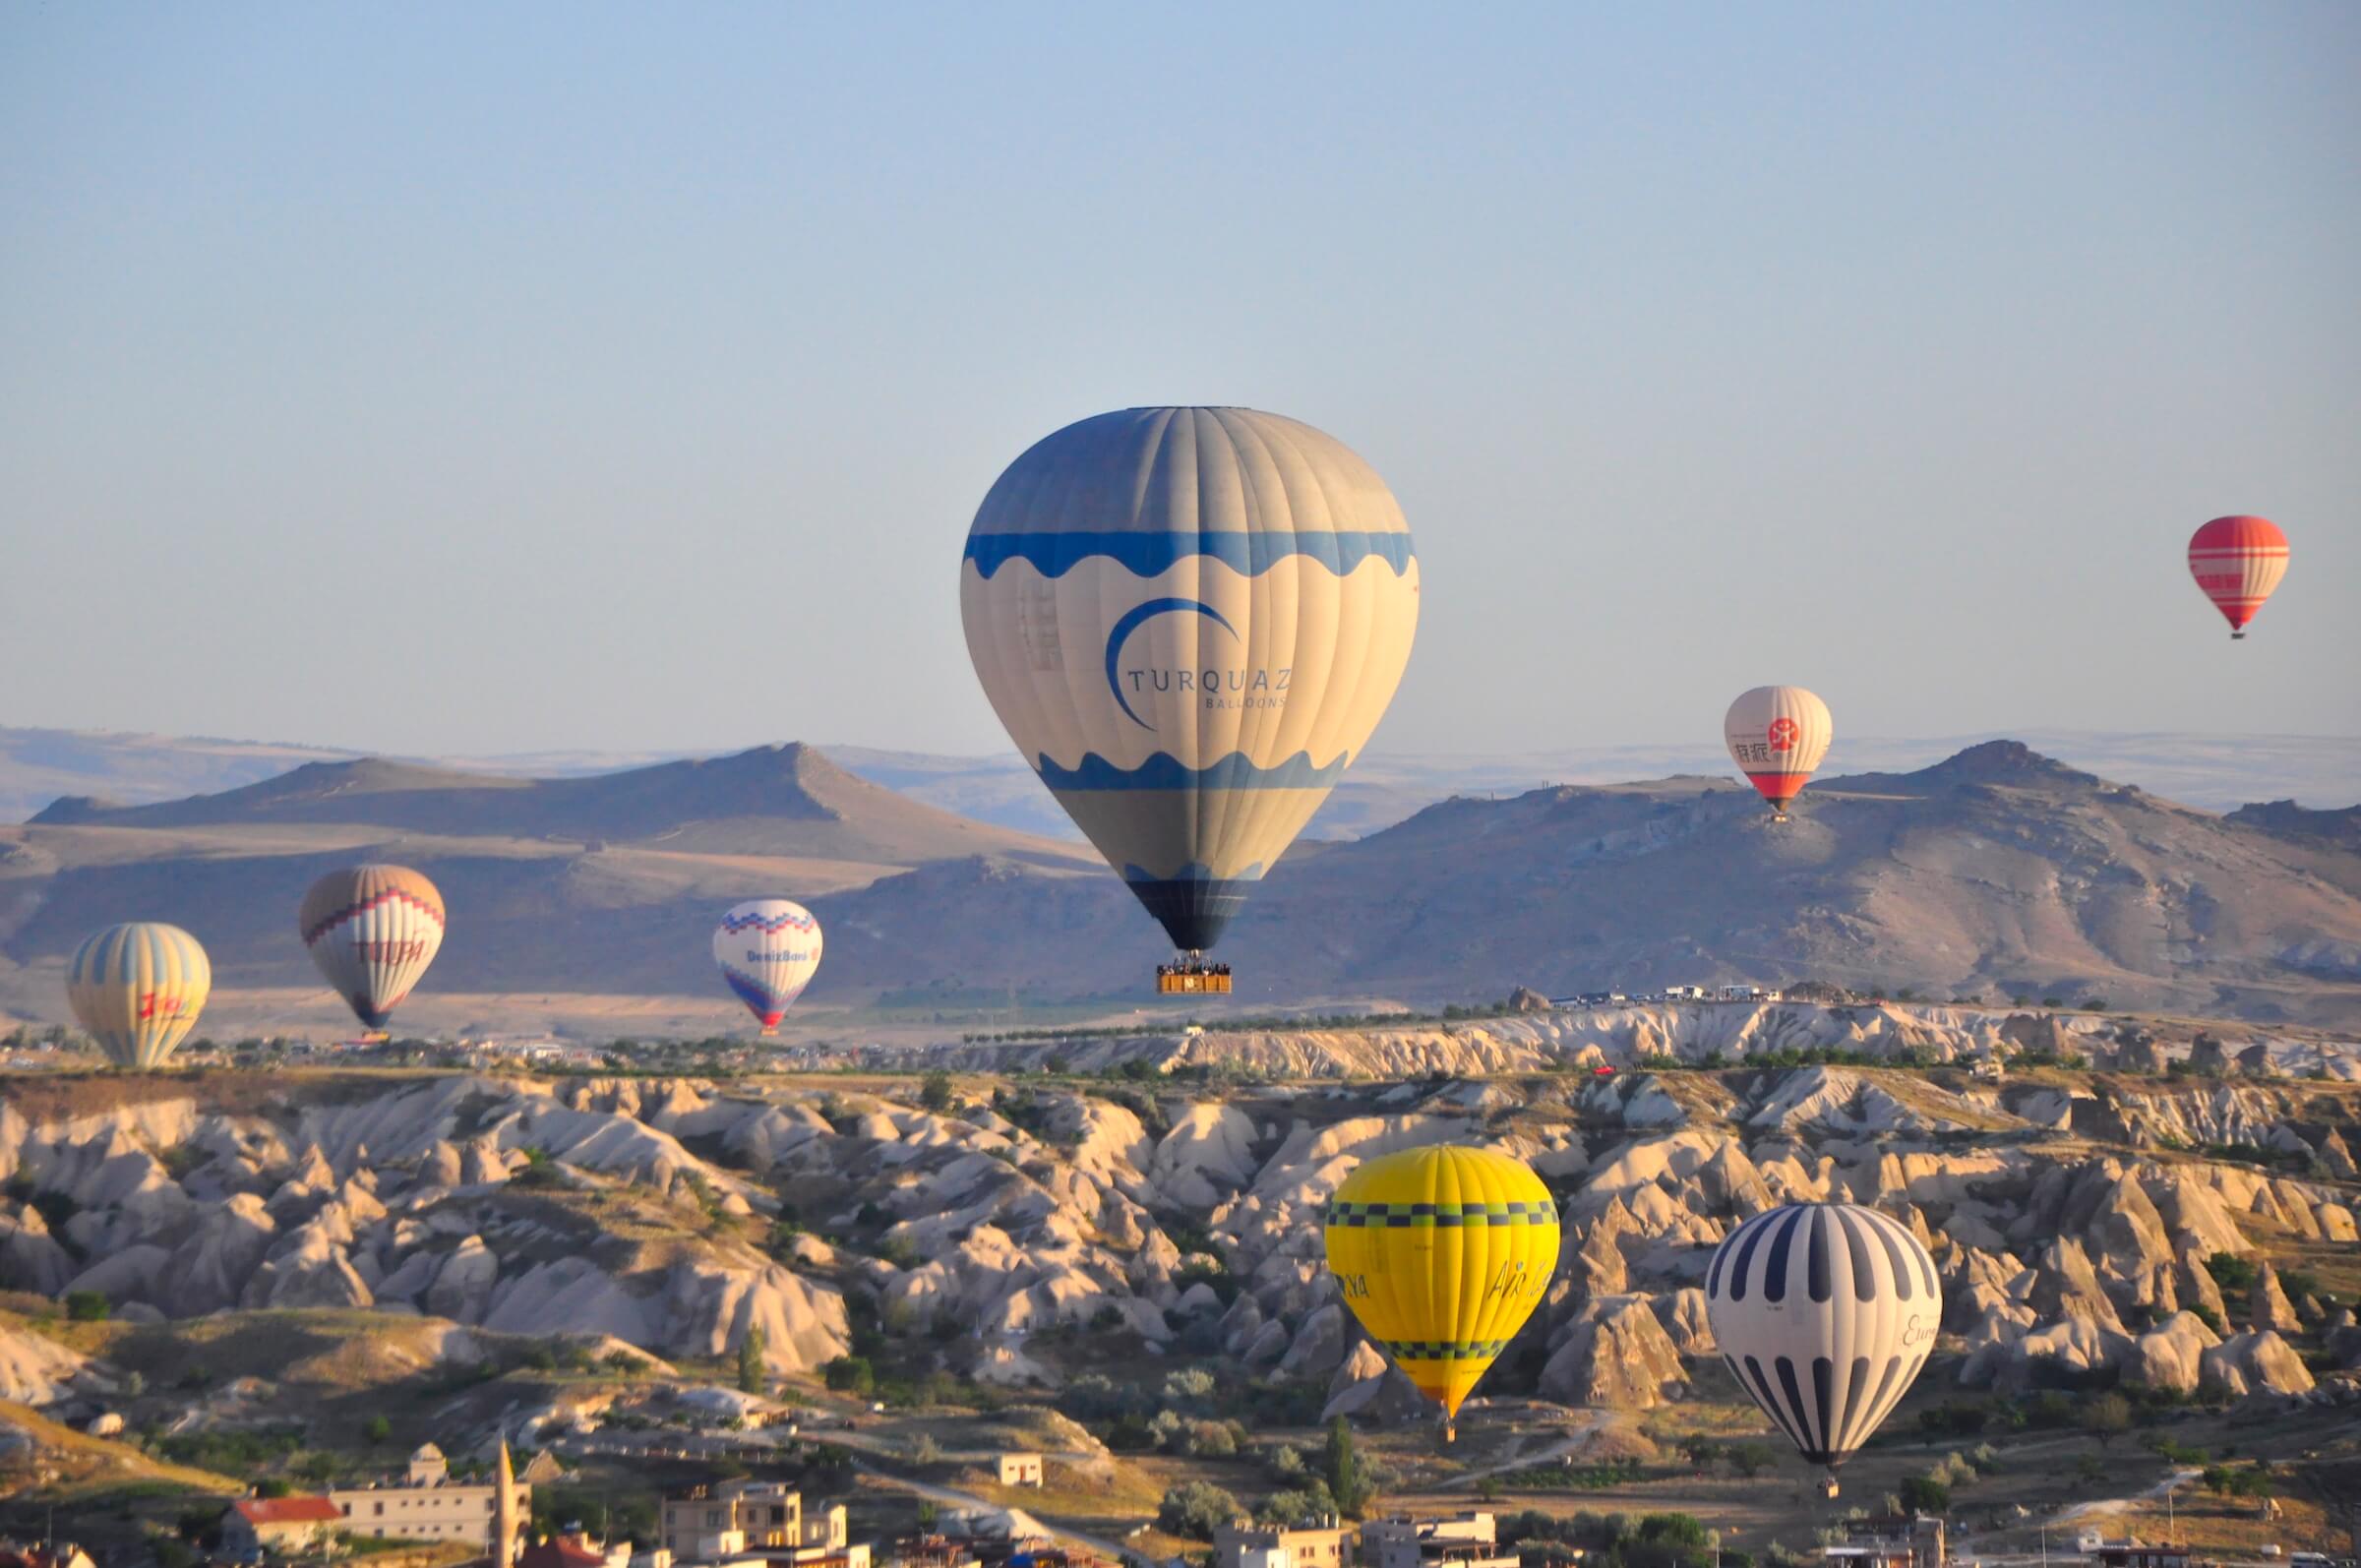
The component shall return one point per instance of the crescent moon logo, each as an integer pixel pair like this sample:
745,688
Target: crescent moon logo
1139,617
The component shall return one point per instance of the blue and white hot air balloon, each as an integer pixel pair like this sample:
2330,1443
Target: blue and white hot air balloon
1191,619
768,949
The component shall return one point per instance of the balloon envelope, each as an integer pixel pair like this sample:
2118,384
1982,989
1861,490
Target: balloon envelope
1442,1253
1777,735
138,989
1825,1312
372,930
2237,562
1189,620
768,949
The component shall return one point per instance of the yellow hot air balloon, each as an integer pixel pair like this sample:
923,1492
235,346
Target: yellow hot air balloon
1442,1253
138,989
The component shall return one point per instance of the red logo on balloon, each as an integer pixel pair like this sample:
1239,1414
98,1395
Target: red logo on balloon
1782,735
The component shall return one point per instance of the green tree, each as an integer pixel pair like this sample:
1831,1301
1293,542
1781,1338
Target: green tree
1924,1494
1751,1459
1195,1509
377,1429
1340,1467
934,1092
850,1374
87,1307
752,1374
2107,1416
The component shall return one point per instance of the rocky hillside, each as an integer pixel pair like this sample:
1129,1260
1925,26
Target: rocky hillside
1623,1037
1022,1233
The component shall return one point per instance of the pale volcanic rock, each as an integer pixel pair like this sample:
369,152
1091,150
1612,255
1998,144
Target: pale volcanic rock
2253,1363
1682,1316
2268,1305
1206,1157
1367,1387
2069,1349
463,1285
1597,1267
2170,1355
2336,1222
2337,1157
2191,1207
777,1135
1319,1345
210,1269
310,1266
1615,1357
136,1272
2066,1285
31,1258
37,1371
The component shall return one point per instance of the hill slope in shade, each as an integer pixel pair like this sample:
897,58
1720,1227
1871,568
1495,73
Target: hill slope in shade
1995,873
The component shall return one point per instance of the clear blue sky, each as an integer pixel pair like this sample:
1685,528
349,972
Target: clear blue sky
490,378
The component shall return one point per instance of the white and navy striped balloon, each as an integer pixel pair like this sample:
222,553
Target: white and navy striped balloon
1825,1312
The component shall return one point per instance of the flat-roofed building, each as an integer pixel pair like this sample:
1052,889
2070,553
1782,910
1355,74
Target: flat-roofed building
1463,1540
1020,1469
1249,1546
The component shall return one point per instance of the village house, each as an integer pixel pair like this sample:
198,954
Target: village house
1245,1544
1464,1541
426,1504
254,1528
1020,1469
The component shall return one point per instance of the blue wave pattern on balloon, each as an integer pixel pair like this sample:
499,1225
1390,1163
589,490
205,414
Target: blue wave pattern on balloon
1193,871
1164,771
1146,553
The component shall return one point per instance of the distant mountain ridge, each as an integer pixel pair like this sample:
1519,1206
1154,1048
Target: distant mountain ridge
1994,872
38,767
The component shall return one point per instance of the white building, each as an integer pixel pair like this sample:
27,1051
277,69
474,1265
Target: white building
427,1504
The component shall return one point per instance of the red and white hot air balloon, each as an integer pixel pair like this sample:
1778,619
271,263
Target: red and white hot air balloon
2237,562
1777,735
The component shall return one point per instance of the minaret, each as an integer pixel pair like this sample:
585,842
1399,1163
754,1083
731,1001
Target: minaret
503,1511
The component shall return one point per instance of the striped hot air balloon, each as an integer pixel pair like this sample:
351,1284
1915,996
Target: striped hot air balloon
372,930
1778,736
1442,1253
767,950
138,989
1191,619
2237,562
1825,1312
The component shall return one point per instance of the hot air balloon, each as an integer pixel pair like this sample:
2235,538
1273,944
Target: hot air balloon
1189,620
1825,1312
138,989
2237,562
768,949
372,930
1442,1253
1777,734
